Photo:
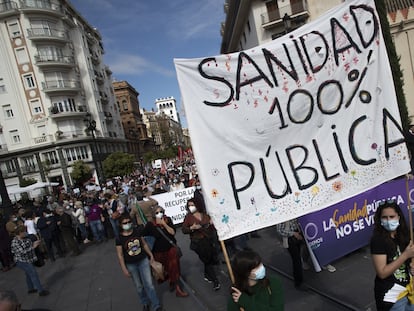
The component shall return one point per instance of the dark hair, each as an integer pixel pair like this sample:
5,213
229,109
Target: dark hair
122,218
187,205
243,263
402,237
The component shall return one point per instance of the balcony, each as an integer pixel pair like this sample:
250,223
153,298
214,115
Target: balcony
108,116
100,79
61,86
54,61
8,8
43,139
298,12
68,112
104,98
28,169
42,7
49,34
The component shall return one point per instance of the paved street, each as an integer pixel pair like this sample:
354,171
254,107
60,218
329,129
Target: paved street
93,281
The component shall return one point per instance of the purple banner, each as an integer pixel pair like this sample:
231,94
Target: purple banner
344,227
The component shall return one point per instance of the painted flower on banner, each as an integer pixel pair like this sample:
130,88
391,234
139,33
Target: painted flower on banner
225,219
214,193
337,186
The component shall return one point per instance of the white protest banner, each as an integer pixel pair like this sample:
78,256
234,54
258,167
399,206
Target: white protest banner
294,125
174,203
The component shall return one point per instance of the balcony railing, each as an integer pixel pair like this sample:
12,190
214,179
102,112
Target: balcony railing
70,111
8,7
278,14
44,60
43,5
61,85
43,139
47,33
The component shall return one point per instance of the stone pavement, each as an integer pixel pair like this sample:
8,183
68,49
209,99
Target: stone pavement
93,281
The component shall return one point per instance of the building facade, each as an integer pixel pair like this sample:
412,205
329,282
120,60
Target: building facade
254,22
56,96
168,106
134,128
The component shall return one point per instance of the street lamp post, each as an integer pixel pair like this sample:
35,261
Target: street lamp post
287,22
91,127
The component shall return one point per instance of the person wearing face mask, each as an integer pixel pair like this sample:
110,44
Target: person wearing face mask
391,251
202,233
24,256
133,253
252,289
162,229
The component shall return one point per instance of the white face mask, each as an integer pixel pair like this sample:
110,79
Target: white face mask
159,215
192,209
127,226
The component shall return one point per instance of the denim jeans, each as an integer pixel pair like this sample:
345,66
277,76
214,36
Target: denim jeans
82,229
97,230
32,279
141,276
114,224
402,305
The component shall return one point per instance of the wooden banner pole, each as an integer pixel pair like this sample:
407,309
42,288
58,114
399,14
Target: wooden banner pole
227,259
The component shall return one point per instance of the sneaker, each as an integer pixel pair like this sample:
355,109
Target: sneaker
330,268
216,285
44,293
86,241
207,279
32,291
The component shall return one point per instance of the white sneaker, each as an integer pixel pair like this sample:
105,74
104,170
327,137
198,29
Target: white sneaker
330,268
86,241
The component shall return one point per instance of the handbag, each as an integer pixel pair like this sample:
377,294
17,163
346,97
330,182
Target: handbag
157,270
178,249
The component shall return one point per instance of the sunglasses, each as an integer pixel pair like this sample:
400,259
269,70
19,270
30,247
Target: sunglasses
128,222
389,201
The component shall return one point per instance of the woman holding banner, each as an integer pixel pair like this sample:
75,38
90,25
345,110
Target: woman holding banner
252,289
391,251
202,235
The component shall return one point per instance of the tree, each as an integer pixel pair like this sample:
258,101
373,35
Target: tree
118,164
27,182
81,172
394,63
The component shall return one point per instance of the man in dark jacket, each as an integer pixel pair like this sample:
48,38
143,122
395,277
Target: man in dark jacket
50,233
64,222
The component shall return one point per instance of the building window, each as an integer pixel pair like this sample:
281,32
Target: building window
2,86
35,106
66,104
51,157
125,105
8,112
29,164
29,82
77,153
22,56
15,137
10,167
14,29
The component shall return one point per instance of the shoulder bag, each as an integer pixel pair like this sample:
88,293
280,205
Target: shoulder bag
179,252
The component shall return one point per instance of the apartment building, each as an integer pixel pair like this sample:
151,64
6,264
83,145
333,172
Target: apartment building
254,22
56,95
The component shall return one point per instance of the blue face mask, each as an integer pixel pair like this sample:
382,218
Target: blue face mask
260,273
390,225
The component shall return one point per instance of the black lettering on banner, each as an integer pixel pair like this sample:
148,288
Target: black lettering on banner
269,57
287,189
318,154
387,116
318,49
373,22
302,103
233,181
299,167
351,144
259,77
219,79
338,34
320,91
